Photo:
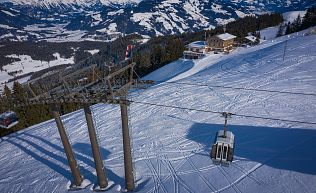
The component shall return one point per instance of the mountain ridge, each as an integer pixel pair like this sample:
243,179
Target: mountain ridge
97,20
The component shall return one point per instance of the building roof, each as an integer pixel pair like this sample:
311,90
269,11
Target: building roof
226,36
7,114
197,44
251,38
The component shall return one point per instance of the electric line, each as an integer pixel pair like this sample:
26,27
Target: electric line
235,88
274,119
218,112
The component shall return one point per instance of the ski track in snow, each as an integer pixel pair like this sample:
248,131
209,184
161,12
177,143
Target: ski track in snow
171,146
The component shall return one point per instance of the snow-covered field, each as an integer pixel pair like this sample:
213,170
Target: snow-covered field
26,65
171,146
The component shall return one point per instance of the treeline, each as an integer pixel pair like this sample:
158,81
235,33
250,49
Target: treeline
29,115
157,52
251,24
299,23
44,51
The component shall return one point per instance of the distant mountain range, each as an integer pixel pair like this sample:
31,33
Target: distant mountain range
78,20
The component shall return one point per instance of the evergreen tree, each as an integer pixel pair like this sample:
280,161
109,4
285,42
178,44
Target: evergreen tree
288,29
2,104
296,25
280,30
19,93
156,57
7,98
309,18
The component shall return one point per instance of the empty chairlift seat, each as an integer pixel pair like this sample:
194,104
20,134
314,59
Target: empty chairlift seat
8,120
223,148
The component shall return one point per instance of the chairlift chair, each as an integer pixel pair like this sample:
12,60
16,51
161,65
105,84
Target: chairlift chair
222,152
8,120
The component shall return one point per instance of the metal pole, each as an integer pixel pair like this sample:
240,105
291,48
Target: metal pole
128,165
225,125
67,147
284,49
110,87
131,74
30,89
102,180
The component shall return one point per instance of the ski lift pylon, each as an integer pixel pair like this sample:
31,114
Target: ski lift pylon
222,152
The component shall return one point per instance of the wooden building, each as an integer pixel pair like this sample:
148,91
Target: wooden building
222,42
195,50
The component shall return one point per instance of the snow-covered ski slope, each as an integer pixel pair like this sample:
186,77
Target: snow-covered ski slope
171,146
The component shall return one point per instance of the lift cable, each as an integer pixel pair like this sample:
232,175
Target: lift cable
235,88
219,112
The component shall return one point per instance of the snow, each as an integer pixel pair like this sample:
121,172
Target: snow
251,38
8,13
112,27
198,44
292,15
110,30
83,185
192,8
93,51
221,21
226,36
6,35
26,65
171,146
218,9
269,33
120,11
97,17
242,14
143,19
6,27
58,33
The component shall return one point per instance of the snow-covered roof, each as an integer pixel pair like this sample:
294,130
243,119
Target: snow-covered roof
251,38
226,36
7,114
197,44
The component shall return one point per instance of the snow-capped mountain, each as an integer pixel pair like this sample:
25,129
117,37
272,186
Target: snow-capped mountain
59,20
85,3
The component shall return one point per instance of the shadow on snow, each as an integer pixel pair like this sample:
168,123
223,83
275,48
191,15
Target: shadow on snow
82,151
282,148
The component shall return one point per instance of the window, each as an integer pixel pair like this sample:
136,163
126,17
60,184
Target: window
225,152
219,151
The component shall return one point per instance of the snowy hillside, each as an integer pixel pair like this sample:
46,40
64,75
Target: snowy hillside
25,64
171,145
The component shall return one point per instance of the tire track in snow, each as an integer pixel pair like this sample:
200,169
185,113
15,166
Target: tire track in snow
251,176
168,176
234,186
157,181
189,160
177,180
153,175
193,166
258,165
